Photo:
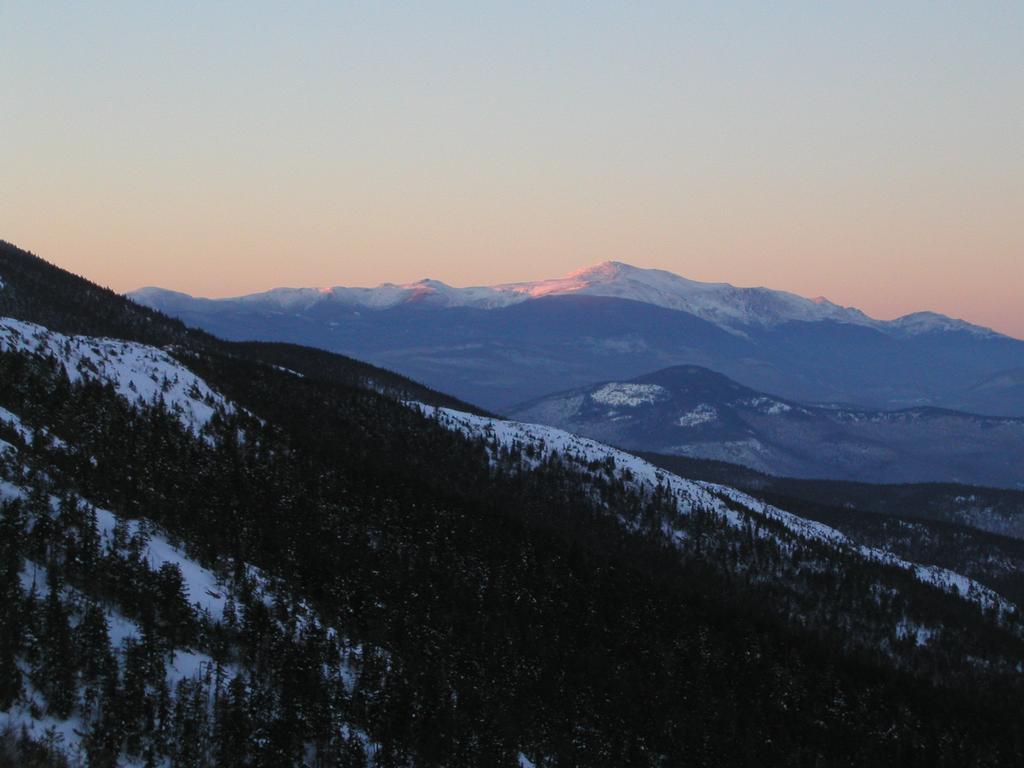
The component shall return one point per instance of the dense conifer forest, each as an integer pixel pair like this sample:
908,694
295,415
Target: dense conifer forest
381,590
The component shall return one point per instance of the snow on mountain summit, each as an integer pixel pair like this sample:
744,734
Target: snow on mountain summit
728,306
925,322
719,303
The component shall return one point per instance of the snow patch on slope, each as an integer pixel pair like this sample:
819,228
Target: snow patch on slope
702,414
205,591
140,373
14,421
767,405
23,431
628,395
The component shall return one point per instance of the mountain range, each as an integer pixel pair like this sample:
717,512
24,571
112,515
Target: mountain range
727,306
691,411
498,346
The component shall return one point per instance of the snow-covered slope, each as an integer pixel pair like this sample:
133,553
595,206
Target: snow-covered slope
139,373
735,508
720,303
207,593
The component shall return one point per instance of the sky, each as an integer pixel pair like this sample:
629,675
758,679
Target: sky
868,152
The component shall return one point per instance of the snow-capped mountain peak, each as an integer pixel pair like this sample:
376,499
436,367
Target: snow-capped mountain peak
720,303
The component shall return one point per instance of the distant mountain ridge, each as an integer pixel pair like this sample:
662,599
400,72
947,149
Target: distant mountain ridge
725,305
503,345
691,411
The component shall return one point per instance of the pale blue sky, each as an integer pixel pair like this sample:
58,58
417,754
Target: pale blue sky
869,152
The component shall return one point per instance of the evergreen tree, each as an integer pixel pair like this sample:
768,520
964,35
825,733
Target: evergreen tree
233,725
56,669
92,643
12,542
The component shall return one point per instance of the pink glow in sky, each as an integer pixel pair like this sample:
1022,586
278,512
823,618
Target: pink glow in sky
868,154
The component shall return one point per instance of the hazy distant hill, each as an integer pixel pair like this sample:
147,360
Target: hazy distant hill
691,411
